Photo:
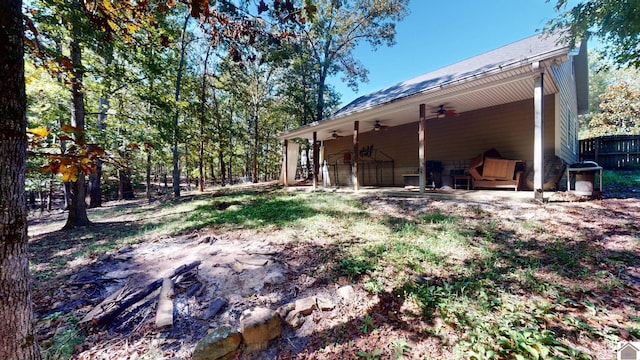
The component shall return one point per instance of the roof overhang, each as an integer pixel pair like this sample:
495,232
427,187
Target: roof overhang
503,84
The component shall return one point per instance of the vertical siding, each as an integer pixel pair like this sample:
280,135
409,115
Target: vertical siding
567,148
453,140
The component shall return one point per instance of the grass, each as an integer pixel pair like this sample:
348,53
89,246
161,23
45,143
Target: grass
486,289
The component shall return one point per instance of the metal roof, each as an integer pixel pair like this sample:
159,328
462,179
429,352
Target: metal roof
496,77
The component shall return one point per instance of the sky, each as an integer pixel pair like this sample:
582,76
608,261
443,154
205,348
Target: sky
437,33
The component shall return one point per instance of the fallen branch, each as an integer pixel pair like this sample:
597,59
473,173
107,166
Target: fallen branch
111,307
164,313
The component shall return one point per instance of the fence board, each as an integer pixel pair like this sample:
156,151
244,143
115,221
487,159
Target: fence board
612,152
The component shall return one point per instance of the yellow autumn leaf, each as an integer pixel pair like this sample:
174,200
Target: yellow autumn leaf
40,131
112,24
132,28
69,173
107,5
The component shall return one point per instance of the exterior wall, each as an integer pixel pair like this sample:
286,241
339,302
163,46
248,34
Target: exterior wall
566,144
453,141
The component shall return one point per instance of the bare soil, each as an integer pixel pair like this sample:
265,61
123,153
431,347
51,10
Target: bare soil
236,263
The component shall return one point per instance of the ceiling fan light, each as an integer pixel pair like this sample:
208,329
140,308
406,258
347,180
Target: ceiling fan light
377,126
334,135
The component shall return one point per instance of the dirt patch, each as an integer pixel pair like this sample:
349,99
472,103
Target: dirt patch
250,269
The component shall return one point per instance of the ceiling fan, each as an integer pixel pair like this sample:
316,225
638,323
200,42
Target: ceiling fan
335,135
442,112
378,126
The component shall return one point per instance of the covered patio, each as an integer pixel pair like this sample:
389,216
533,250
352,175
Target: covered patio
522,99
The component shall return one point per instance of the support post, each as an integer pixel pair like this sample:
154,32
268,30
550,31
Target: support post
354,166
538,141
422,147
315,160
286,163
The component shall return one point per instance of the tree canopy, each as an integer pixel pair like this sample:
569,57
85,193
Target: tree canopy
616,23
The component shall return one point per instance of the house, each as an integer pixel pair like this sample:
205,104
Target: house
522,99
628,351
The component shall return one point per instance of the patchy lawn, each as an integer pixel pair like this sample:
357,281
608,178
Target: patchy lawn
433,279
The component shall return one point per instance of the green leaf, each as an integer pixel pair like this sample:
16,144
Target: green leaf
531,350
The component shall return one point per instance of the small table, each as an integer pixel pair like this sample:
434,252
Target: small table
467,178
585,185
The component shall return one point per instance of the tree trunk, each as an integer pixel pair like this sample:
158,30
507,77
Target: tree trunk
256,142
66,186
95,187
186,166
50,194
78,208
95,179
230,162
18,340
321,85
176,132
148,175
223,168
125,187
202,121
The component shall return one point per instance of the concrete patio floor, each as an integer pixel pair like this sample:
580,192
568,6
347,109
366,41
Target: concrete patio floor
440,194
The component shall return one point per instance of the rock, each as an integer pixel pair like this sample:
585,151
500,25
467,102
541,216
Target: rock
258,326
305,306
285,309
248,262
294,319
274,278
346,292
213,308
324,304
221,343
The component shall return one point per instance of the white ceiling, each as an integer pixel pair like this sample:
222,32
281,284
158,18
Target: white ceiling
502,88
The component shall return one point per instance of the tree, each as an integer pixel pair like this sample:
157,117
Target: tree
18,340
615,22
605,83
337,27
78,208
620,111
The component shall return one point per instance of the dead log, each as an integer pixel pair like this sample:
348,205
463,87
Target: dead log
106,311
214,308
164,314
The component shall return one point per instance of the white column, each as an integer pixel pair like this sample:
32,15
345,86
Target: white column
286,163
356,141
315,160
538,134
422,147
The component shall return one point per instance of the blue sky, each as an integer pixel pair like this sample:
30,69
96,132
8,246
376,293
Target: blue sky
437,33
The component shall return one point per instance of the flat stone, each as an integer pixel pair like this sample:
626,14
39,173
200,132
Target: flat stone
248,262
324,304
294,319
258,326
274,278
305,306
221,343
346,292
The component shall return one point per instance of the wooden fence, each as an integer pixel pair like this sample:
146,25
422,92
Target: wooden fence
612,152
